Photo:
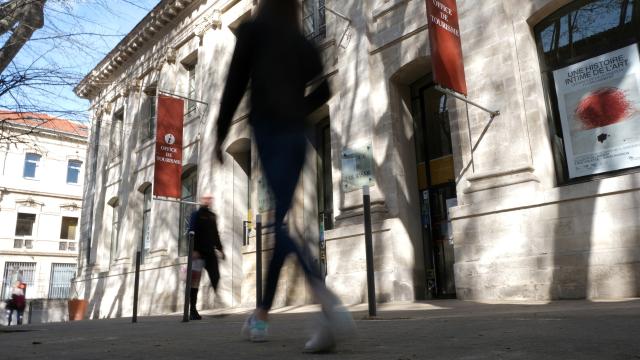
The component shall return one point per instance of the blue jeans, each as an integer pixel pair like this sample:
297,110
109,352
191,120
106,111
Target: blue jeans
282,155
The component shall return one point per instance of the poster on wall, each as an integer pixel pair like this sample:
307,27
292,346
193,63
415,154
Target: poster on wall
168,164
599,103
445,45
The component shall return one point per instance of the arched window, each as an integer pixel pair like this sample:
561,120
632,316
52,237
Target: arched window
145,245
115,226
189,194
590,66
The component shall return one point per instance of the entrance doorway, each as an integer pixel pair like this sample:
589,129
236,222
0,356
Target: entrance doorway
325,187
436,183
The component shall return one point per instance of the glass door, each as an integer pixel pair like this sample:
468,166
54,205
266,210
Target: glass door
436,182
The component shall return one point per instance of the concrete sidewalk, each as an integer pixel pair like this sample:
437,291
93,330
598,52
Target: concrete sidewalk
444,329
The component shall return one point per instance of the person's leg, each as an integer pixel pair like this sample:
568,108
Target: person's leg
282,157
211,264
196,273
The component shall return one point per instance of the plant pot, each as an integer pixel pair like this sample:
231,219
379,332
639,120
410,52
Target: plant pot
77,309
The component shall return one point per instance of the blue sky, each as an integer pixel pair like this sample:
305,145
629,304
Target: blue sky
76,36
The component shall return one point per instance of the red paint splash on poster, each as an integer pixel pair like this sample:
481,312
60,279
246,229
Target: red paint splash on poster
602,107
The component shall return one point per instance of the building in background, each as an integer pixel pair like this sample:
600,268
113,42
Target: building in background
540,202
41,178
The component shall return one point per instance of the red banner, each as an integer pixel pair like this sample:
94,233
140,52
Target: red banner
168,164
446,48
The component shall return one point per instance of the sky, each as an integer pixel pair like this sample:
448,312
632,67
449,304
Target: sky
76,36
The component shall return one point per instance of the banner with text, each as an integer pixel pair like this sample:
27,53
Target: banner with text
446,48
168,164
599,103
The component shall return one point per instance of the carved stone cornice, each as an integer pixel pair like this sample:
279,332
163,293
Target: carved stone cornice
72,206
162,15
29,202
211,21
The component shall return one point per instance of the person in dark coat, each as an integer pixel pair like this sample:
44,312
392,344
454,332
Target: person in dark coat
18,301
206,241
279,62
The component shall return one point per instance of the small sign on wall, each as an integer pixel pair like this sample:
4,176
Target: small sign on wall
357,167
266,199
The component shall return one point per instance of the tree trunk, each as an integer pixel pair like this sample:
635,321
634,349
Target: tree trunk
30,17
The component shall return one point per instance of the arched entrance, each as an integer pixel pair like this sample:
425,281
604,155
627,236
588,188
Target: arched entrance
436,184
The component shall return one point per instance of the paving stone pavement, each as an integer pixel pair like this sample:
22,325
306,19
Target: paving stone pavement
444,329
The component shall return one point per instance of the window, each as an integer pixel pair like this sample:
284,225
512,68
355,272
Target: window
73,171
115,229
587,52
325,181
149,112
14,271
313,19
189,189
146,221
68,229
115,141
191,89
60,282
31,164
24,224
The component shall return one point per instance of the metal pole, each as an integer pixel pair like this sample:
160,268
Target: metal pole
136,284
258,259
368,242
493,113
187,286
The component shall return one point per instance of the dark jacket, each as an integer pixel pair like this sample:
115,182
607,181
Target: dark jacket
203,224
279,62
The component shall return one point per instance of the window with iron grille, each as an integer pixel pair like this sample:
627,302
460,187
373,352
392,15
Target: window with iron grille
313,19
60,282
14,271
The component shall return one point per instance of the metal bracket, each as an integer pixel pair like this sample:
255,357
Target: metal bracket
493,113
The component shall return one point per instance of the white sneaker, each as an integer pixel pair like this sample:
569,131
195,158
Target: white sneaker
322,340
254,330
342,323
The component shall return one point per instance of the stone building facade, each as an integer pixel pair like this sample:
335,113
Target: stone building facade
41,178
463,204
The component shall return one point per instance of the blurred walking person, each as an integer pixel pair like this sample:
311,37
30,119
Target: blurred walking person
274,56
206,241
18,301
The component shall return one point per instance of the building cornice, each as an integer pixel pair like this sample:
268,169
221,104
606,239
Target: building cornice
38,131
38,253
162,15
38,193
